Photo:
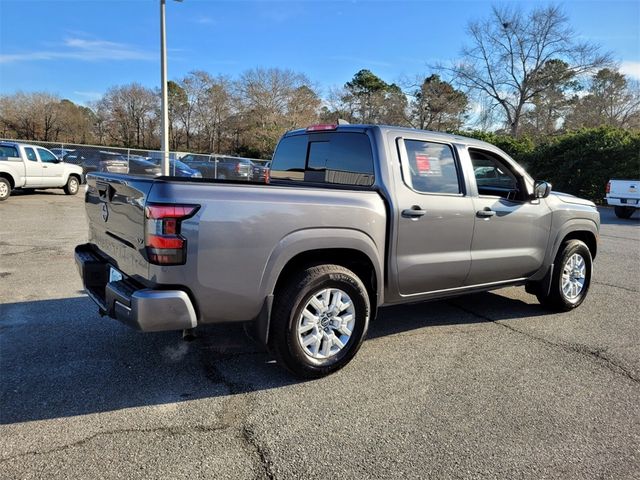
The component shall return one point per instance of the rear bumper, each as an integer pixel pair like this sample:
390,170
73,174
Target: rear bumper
146,309
622,202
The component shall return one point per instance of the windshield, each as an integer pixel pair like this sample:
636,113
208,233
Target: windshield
180,165
106,157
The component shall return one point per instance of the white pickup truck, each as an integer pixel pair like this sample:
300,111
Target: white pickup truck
29,166
624,196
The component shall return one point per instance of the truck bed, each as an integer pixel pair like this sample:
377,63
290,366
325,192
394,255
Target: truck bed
240,234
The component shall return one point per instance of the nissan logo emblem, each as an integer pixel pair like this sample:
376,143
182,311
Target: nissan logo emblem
105,212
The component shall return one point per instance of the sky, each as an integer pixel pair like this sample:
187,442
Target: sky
78,49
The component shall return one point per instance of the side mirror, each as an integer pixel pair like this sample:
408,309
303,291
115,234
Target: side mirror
541,189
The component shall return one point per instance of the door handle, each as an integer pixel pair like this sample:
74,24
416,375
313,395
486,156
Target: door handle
45,166
414,212
487,212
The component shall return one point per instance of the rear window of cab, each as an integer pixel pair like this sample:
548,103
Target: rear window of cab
8,151
338,158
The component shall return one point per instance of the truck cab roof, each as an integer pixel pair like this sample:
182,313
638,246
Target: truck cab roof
361,128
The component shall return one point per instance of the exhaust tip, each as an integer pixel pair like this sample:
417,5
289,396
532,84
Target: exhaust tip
189,334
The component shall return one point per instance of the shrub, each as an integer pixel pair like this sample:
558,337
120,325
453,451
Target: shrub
581,162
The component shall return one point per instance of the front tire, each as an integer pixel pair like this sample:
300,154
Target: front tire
72,186
320,318
5,189
623,212
571,277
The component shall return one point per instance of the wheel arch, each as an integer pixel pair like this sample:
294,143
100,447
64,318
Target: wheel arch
578,229
589,238
10,178
355,260
351,249
77,175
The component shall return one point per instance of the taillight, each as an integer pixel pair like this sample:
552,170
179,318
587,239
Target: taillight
608,189
267,176
163,242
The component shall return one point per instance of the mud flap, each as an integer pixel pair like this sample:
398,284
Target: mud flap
543,286
258,330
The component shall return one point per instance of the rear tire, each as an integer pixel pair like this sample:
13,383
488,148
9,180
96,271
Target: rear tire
73,185
624,212
320,318
571,277
5,189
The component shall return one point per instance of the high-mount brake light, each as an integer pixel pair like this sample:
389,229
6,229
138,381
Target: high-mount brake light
163,242
322,127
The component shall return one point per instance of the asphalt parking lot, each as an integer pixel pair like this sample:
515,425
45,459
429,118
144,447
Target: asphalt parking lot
486,386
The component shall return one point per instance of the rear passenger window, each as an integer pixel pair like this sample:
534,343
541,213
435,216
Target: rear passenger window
8,151
430,167
289,158
31,154
340,158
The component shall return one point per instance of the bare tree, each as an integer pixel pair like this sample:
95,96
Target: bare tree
213,108
508,52
130,111
268,99
16,116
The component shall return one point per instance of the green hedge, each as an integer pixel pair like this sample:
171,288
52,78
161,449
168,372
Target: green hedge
518,148
579,162
582,162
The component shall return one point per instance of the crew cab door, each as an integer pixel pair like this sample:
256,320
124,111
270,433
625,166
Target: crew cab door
32,168
434,218
53,170
511,229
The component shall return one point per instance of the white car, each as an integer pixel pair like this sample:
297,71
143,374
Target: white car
624,196
30,166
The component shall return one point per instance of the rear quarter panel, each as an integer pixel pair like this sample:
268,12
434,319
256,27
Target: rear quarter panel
243,236
14,166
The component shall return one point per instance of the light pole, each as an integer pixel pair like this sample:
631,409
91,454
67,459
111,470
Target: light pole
164,138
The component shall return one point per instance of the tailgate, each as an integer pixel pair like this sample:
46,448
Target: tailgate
115,210
625,189
245,169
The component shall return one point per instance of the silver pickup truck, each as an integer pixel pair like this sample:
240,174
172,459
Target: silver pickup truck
356,217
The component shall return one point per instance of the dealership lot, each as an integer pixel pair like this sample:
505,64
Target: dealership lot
484,386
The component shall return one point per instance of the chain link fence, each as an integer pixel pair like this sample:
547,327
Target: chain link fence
135,161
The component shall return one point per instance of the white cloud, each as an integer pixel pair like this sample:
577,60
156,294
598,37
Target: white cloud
205,20
84,50
631,69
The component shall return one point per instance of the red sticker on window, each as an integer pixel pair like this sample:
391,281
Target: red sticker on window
422,163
